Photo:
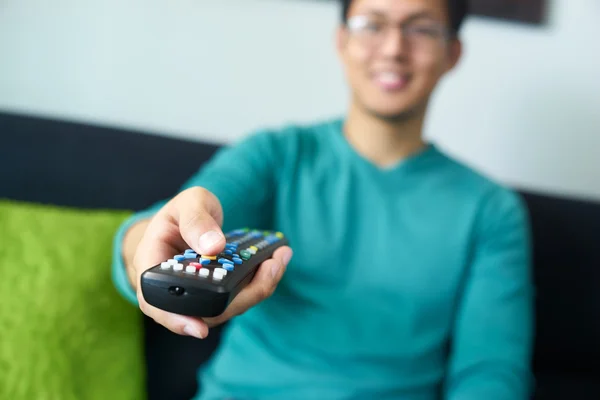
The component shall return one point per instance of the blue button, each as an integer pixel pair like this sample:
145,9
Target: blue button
228,267
235,255
179,257
204,261
225,261
190,255
228,252
231,246
190,251
272,239
237,260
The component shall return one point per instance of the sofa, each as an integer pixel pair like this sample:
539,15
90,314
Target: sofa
76,165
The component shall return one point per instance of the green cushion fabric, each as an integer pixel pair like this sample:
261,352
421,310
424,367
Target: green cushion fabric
65,332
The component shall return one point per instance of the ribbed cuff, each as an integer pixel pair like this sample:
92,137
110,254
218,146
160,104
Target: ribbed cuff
119,274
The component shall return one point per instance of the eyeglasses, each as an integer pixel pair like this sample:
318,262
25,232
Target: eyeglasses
371,31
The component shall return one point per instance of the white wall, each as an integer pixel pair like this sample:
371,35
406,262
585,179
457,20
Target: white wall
522,106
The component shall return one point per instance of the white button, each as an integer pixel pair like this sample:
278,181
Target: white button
217,277
178,267
252,251
204,272
165,265
190,268
221,271
172,261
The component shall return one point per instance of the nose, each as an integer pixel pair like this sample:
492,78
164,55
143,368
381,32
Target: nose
393,44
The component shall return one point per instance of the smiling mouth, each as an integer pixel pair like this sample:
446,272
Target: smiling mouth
391,81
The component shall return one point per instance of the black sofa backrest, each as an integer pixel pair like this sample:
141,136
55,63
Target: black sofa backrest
50,161
81,165
567,274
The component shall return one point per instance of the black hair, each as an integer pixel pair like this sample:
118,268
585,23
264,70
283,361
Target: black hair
457,9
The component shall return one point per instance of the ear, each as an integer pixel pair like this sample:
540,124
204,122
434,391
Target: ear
455,50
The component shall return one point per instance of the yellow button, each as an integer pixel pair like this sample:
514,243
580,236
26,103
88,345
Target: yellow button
253,248
279,235
210,257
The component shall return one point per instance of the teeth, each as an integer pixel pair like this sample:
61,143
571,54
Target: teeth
389,77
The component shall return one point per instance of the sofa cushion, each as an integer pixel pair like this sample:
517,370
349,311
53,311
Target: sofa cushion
66,332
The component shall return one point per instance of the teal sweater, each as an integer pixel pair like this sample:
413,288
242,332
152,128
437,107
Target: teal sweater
411,282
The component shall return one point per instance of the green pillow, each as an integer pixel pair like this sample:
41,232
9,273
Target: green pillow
65,332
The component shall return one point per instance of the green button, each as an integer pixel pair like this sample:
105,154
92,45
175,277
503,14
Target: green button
245,254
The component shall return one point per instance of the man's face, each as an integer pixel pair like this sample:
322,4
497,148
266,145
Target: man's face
395,52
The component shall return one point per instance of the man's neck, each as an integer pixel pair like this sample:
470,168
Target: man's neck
384,143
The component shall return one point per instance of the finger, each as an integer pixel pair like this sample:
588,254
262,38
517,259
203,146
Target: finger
156,245
199,215
179,324
261,287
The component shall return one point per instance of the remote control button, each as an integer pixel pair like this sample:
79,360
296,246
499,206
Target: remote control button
217,277
228,267
209,257
204,272
165,265
172,261
179,257
237,260
245,254
252,249
190,269
196,265
178,267
279,235
228,251
271,239
204,261
189,256
221,271
225,261
189,251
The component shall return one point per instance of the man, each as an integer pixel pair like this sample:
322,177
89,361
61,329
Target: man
411,272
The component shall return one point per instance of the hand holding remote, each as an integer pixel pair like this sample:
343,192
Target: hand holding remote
192,220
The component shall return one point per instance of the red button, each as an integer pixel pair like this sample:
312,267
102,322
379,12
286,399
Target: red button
196,265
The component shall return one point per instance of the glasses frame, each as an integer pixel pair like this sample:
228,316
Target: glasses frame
411,32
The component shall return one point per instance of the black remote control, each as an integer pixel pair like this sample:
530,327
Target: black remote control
203,286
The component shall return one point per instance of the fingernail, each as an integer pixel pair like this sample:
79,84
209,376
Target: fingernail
209,239
287,256
191,331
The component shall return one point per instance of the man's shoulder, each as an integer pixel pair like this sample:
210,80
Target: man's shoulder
298,131
475,185
292,139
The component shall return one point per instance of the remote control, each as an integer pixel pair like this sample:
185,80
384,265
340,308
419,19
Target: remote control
203,286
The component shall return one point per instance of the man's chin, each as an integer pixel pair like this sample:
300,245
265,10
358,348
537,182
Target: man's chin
397,115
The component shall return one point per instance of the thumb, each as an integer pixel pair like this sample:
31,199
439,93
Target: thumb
199,215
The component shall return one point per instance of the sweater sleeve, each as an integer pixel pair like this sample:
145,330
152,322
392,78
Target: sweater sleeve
242,176
493,330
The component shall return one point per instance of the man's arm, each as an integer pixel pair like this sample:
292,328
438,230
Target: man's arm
131,240
243,178
493,331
